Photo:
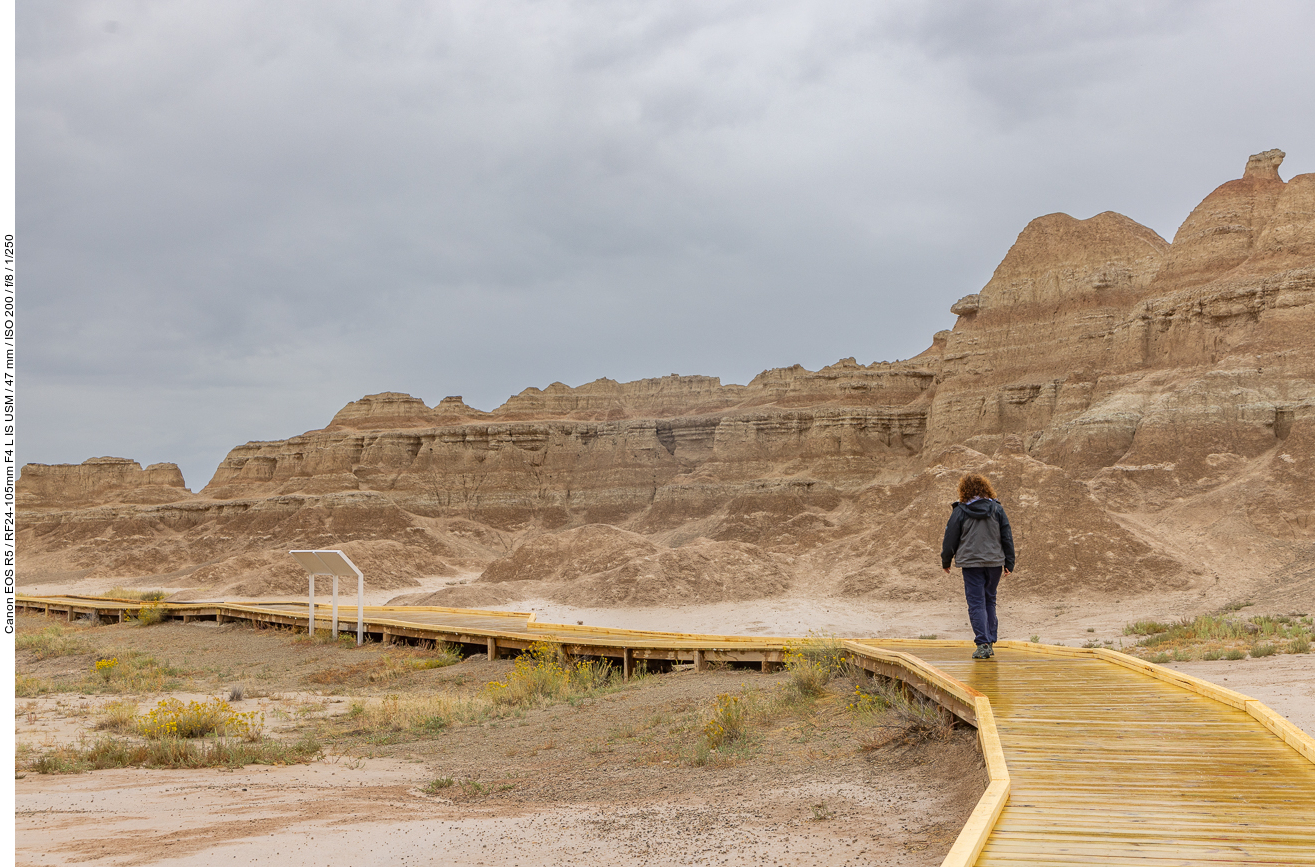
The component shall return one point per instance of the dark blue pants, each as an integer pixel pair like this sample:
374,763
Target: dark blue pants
979,586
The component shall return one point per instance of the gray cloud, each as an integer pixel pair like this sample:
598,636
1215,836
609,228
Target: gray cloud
235,217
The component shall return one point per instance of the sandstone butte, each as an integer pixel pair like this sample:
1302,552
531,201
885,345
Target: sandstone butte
1148,409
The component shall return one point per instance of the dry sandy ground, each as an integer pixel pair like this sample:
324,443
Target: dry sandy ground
603,780
317,814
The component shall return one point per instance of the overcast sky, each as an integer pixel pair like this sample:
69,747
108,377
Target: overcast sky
236,216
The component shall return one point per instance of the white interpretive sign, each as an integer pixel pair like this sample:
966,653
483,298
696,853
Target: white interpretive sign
337,565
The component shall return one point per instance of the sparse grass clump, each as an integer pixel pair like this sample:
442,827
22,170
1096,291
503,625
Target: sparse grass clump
150,614
1145,627
112,752
1233,654
1262,648
30,686
386,669
52,641
867,701
728,722
128,671
417,713
813,663
1216,636
900,714
135,595
118,716
544,673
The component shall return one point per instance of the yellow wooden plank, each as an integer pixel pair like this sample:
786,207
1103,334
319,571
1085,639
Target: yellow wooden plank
1045,649
1177,678
988,736
1291,734
977,830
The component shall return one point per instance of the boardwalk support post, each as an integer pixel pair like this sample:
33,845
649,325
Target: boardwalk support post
335,607
700,660
493,648
627,663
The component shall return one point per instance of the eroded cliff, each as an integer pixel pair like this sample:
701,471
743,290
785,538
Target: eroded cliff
1148,407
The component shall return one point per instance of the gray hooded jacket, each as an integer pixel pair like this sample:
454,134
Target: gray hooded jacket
977,535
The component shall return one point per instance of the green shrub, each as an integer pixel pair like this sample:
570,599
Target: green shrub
1233,654
1263,648
1300,644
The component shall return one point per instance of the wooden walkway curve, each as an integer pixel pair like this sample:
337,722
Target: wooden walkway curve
1095,757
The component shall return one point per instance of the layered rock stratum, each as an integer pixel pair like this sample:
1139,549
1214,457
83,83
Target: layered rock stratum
1147,409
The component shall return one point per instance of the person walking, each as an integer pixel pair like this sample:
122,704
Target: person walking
981,543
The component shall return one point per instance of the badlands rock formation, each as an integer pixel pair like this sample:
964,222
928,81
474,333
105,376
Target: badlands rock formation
1148,409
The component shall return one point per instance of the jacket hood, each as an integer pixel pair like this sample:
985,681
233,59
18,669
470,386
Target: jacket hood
978,508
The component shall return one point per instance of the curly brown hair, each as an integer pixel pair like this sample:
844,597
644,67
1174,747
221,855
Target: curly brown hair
974,485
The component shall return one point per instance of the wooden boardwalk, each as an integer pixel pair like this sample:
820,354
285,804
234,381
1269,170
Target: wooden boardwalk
1110,766
1095,757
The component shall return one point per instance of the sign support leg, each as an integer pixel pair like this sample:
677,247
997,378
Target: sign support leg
335,607
312,606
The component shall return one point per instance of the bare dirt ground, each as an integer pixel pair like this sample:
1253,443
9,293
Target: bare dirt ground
610,778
